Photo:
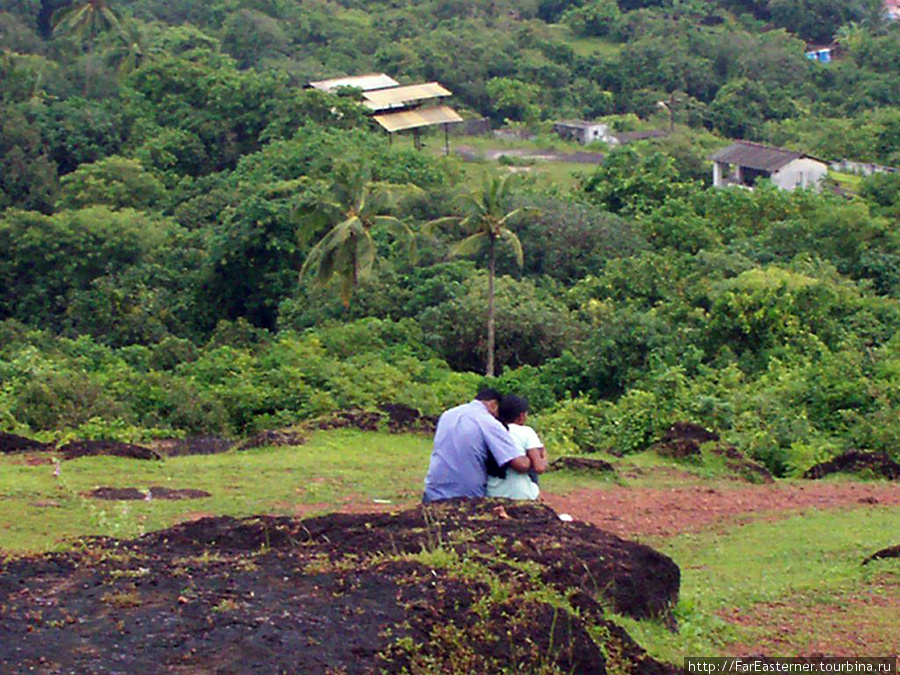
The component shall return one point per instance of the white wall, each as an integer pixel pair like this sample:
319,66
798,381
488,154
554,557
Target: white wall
801,173
720,170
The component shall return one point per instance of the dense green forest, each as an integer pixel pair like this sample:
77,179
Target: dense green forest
164,176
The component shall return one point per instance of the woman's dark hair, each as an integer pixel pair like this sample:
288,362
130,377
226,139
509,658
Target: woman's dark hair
511,406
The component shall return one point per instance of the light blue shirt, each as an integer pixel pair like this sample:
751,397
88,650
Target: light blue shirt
465,434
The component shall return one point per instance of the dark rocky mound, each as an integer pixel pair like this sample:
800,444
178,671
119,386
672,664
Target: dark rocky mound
107,448
683,439
10,443
581,464
444,588
155,492
198,445
394,417
742,465
274,437
402,418
857,461
889,552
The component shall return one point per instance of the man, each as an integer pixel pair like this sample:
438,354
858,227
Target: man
464,437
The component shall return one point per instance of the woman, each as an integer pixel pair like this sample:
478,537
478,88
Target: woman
513,413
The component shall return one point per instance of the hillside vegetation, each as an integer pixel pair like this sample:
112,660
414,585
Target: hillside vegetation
164,176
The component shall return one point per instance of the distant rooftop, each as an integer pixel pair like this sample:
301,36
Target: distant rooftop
364,82
578,124
413,119
756,156
384,99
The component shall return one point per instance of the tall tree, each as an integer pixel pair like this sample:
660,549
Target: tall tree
85,20
487,221
126,51
356,206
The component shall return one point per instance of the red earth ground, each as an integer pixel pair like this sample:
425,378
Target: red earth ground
853,624
640,511
631,512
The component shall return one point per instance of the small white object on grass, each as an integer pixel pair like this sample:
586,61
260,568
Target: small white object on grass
381,501
565,517
58,468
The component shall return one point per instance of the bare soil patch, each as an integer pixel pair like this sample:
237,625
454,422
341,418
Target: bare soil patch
197,445
78,449
742,466
274,437
154,492
336,594
651,511
11,443
683,439
848,624
393,417
857,462
889,552
582,464
470,154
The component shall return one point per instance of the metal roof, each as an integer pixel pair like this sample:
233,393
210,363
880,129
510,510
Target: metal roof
385,99
578,124
412,119
756,156
364,82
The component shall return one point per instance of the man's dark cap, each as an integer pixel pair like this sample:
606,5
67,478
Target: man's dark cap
488,394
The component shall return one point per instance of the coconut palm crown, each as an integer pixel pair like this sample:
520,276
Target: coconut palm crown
356,206
487,221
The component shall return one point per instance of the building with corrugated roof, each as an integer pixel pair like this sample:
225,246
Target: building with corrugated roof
369,82
399,108
744,163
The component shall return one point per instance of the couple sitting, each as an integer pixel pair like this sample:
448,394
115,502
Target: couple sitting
484,449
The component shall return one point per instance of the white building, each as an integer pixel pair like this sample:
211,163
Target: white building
584,132
743,163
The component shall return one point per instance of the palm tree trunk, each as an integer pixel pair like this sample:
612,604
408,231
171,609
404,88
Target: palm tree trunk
490,337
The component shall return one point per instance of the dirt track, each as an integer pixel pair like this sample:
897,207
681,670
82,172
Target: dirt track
653,511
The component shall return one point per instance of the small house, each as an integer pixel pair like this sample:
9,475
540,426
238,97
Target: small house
744,163
584,132
821,53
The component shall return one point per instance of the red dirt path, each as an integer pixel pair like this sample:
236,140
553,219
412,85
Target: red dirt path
665,512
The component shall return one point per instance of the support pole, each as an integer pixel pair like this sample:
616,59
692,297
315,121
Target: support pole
446,140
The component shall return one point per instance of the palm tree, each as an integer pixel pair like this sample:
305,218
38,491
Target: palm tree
487,222
125,53
357,206
85,20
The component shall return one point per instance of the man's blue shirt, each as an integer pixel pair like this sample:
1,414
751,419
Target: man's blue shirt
465,434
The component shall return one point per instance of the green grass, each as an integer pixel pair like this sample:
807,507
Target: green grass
806,560
583,46
545,173
847,180
40,512
803,565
